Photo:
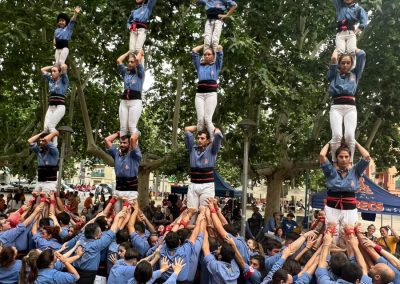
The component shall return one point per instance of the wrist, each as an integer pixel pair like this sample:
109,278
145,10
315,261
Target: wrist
113,201
378,248
213,210
21,211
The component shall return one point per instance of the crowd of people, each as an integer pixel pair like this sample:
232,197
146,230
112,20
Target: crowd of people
48,241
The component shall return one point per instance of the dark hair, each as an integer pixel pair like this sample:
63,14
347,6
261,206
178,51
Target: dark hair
342,147
172,240
346,55
201,132
140,227
227,253
338,260
213,244
43,134
270,244
292,266
351,272
290,215
102,223
45,259
44,222
261,261
53,231
292,236
183,235
211,49
124,137
29,260
7,256
131,253
143,272
279,228
371,225
63,218
122,236
91,230
126,245
280,275
231,230
64,17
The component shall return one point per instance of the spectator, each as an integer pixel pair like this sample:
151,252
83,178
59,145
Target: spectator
386,241
88,201
288,224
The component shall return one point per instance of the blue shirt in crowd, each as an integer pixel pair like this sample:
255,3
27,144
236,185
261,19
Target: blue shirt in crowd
216,5
53,276
121,272
10,275
222,272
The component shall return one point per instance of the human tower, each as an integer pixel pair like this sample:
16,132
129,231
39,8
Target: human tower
345,70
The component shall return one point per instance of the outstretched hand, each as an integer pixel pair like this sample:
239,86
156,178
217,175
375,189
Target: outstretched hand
178,265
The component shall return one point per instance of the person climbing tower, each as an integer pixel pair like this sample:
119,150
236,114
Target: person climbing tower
63,34
138,23
348,15
215,10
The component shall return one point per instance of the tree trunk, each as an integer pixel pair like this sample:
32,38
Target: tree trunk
143,187
275,186
177,109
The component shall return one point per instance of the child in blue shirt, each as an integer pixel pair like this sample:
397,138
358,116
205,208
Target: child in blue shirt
63,34
138,23
215,10
348,14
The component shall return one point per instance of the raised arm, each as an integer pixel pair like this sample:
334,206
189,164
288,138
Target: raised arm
121,59
69,266
198,48
323,154
217,222
364,153
394,233
77,10
34,138
114,226
238,257
132,220
149,225
196,229
48,138
45,69
230,12
139,56
110,139
206,245
325,251
357,253
31,217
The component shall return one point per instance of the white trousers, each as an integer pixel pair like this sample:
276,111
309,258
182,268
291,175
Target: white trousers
61,55
198,193
129,114
205,106
341,218
137,39
212,33
53,116
339,115
346,42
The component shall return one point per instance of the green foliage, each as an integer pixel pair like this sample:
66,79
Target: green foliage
276,55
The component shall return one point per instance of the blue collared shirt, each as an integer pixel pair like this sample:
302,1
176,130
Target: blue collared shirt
220,5
8,238
353,12
65,33
345,84
53,276
126,165
252,276
10,274
222,272
48,157
42,243
140,243
91,258
336,183
142,13
208,71
241,246
396,271
206,158
133,79
121,272
60,86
